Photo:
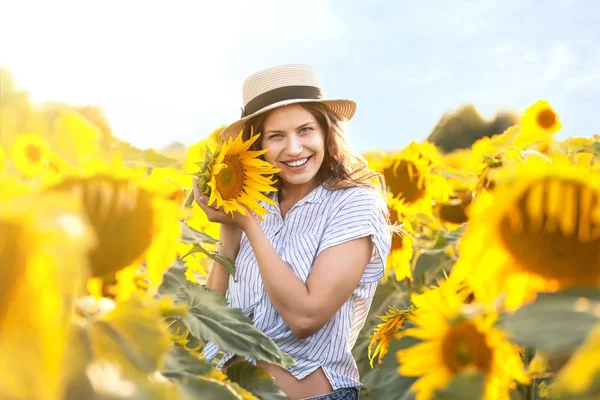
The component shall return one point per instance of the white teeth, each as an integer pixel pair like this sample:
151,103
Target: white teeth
297,163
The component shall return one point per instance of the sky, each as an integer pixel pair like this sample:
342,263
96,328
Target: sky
165,71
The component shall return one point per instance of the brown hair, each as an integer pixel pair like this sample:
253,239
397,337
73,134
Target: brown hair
341,167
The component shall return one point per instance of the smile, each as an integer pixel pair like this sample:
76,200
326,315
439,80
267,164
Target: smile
297,163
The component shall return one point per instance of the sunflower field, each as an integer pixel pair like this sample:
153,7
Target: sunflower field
491,289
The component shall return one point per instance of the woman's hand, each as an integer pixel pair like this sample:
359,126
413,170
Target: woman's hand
217,215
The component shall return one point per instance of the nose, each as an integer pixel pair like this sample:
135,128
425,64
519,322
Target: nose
294,146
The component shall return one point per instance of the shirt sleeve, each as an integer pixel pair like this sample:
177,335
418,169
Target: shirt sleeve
358,216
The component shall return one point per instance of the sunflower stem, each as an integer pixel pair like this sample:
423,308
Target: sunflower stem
189,200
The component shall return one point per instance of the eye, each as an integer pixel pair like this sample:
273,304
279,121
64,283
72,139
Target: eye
306,129
275,136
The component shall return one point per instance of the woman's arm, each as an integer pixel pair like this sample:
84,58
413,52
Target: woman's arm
218,277
306,307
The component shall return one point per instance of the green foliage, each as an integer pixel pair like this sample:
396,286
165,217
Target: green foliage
209,318
384,381
256,380
132,335
462,128
180,363
206,388
463,386
190,235
555,322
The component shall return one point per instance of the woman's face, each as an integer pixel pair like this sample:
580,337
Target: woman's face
294,142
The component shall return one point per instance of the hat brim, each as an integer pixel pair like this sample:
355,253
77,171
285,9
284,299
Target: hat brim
343,108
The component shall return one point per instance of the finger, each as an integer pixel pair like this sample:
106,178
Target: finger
202,201
197,193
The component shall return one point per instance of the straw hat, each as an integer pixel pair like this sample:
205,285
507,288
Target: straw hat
282,85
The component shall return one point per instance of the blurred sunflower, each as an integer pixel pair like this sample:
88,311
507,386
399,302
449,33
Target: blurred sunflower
495,146
401,252
43,243
583,366
30,154
539,123
386,331
538,231
233,177
453,212
408,175
453,343
134,220
2,160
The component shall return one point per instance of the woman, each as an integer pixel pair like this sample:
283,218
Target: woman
308,272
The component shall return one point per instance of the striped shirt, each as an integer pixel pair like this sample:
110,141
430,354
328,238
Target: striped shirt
322,219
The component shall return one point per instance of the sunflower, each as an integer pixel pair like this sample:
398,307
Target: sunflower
233,177
401,252
2,159
409,178
583,366
198,150
43,242
538,123
539,230
30,154
134,220
386,331
453,343
453,212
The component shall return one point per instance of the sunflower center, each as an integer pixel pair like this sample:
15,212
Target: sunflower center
464,346
546,118
33,153
397,242
455,211
122,216
230,180
405,181
554,231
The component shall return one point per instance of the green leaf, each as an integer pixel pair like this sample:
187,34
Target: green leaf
211,319
256,380
225,262
453,236
132,335
520,392
463,386
173,279
555,321
190,235
205,388
384,381
430,266
180,363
